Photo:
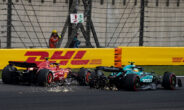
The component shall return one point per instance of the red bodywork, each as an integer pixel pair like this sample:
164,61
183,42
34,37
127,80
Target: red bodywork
58,73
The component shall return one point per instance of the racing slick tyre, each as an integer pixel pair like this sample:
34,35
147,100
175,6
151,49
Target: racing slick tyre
10,75
45,77
92,83
114,83
179,83
169,81
132,82
84,76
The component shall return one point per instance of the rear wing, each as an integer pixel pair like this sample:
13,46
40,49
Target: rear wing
22,64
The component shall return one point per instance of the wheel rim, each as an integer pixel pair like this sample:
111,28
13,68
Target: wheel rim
49,78
172,81
136,83
87,77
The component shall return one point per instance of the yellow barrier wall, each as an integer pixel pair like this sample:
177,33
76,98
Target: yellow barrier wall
90,58
153,55
72,58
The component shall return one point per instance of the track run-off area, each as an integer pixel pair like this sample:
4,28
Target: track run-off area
23,97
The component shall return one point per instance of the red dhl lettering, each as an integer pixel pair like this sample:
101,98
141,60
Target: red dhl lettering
177,59
96,61
61,57
58,55
79,62
79,54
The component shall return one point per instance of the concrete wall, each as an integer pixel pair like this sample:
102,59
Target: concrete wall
115,24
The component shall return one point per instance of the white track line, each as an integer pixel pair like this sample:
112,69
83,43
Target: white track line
180,76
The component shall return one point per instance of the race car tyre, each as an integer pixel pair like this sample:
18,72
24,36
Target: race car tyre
169,81
132,82
92,83
83,77
45,77
179,83
102,82
10,75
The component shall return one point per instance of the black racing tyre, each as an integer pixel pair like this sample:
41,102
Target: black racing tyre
169,81
179,83
10,75
132,82
45,77
83,76
92,83
102,82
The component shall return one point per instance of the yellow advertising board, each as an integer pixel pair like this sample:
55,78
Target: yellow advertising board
153,55
68,58
90,58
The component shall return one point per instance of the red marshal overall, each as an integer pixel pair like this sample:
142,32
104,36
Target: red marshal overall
53,41
54,38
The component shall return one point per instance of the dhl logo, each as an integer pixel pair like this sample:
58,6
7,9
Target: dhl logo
61,57
177,59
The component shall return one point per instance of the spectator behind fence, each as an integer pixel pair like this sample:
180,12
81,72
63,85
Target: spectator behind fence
75,42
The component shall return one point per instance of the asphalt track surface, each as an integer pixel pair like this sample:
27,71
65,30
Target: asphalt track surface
22,97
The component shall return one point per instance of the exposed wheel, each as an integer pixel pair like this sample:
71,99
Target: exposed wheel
169,80
92,83
179,83
10,75
112,84
45,77
102,82
87,77
132,82
83,76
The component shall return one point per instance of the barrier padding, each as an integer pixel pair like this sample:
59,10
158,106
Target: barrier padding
68,58
153,55
90,58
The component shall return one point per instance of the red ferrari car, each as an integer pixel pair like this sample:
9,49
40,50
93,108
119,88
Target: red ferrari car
43,74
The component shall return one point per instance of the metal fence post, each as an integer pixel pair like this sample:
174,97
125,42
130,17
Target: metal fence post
70,25
141,34
9,20
88,24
